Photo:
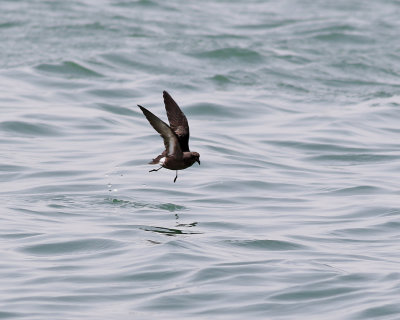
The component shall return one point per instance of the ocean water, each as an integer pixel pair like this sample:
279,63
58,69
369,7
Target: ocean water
294,212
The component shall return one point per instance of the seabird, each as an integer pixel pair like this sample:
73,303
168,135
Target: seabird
176,155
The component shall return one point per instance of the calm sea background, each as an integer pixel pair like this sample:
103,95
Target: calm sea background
294,212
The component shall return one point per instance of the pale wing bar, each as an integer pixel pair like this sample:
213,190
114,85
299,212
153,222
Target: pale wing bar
171,142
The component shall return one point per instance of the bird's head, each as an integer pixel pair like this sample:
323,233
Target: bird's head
196,157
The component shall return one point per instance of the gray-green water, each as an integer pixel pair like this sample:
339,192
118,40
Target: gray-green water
294,212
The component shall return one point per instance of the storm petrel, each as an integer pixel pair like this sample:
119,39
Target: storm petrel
176,155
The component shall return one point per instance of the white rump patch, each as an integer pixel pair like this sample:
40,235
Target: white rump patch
161,162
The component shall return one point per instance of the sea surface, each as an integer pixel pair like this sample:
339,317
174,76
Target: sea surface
294,212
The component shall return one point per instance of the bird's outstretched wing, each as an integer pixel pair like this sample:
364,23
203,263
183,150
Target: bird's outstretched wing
171,142
177,121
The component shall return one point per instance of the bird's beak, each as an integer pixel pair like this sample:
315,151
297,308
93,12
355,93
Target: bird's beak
198,161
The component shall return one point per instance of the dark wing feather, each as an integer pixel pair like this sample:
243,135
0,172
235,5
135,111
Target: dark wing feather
171,142
177,121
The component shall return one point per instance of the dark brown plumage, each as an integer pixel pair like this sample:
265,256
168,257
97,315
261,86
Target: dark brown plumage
176,155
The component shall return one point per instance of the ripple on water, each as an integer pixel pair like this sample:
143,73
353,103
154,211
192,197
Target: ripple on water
10,315
30,129
116,109
171,207
339,37
354,158
68,69
205,109
273,245
127,61
358,190
243,55
87,246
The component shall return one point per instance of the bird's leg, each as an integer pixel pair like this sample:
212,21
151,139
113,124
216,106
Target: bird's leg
155,169
176,176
